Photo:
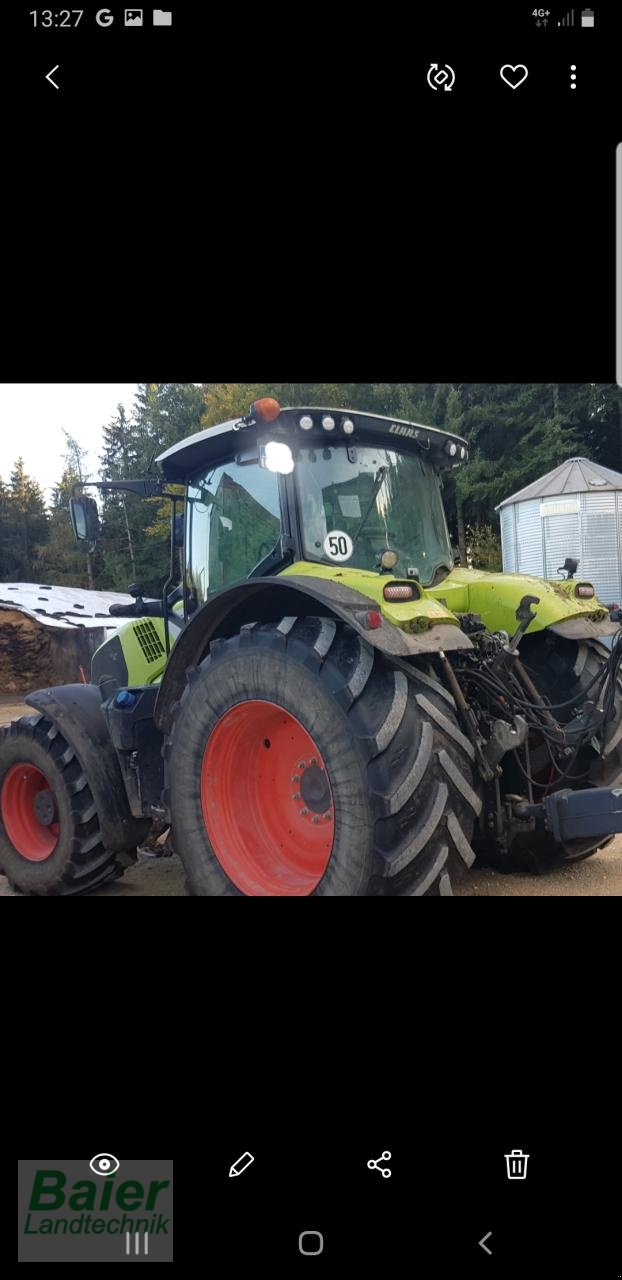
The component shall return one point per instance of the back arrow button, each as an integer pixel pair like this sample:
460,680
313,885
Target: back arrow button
50,74
482,1243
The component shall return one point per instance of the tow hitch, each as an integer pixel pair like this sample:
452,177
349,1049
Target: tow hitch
578,815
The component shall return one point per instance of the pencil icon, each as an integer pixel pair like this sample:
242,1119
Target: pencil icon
241,1164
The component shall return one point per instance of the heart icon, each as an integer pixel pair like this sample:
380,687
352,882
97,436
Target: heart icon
514,75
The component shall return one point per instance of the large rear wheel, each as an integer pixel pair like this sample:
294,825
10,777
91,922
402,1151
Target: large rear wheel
301,762
50,838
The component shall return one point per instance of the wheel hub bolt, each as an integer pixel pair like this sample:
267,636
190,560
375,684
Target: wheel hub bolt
301,765
297,796
316,820
45,808
295,778
303,813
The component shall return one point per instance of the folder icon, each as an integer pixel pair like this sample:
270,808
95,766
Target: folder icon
162,18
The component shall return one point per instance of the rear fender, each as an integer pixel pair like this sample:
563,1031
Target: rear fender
76,710
270,600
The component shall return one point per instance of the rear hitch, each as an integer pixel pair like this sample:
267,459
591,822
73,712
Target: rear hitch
577,815
505,737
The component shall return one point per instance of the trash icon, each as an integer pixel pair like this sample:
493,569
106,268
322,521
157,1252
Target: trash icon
517,1164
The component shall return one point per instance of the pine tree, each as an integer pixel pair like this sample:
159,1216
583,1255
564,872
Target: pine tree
75,468
60,561
26,524
119,461
4,530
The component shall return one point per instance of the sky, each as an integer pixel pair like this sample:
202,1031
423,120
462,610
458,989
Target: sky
32,417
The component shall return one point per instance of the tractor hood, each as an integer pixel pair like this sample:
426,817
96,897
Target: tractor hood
496,597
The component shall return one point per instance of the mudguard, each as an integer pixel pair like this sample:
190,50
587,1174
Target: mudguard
496,597
76,710
269,600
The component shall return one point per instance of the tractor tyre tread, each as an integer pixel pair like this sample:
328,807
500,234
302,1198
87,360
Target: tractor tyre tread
418,804
80,861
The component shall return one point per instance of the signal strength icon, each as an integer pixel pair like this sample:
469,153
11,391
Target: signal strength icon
567,20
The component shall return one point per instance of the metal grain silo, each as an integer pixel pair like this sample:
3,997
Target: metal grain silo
575,510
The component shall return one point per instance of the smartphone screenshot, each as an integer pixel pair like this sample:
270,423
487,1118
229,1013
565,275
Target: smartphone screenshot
311,588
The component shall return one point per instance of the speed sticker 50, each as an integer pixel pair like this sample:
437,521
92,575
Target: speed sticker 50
338,545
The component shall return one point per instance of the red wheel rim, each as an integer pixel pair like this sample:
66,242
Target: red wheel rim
32,838
266,800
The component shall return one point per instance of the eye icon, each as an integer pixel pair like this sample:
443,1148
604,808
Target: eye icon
104,1164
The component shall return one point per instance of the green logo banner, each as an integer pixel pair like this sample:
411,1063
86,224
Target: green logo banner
101,1209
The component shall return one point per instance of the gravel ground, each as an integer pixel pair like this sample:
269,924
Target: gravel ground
11,708
599,876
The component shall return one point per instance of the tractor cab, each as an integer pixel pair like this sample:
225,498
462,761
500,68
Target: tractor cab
312,486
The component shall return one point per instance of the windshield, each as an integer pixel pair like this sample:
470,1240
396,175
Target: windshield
356,503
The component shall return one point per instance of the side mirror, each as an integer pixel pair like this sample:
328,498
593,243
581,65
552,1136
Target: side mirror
84,519
457,558
179,530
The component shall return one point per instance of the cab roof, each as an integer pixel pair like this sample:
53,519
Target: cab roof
219,443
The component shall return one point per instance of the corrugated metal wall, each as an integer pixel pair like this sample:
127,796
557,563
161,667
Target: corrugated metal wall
600,545
561,535
508,539
529,557
536,538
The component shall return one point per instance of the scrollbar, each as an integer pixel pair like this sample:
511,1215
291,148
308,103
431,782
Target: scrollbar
619,264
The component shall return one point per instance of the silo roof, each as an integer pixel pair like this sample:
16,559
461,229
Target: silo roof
576,475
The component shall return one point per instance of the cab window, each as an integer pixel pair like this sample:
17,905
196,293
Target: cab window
233,523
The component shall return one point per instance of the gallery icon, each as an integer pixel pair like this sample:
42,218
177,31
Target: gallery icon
133,17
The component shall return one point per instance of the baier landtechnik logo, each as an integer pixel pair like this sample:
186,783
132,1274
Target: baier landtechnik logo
98,1210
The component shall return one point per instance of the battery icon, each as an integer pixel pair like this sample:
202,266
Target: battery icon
587,17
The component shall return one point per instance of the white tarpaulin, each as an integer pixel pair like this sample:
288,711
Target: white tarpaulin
63,606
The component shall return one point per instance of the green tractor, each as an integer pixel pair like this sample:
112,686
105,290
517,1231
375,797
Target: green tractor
323,702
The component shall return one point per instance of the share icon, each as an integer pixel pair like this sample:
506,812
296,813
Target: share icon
375,1164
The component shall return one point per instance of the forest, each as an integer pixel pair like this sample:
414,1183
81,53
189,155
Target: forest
515,431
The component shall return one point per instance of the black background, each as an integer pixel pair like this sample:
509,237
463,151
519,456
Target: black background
284,196
231,196
449,1042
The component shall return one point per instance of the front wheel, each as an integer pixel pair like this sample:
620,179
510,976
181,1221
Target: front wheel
302,763
50,836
